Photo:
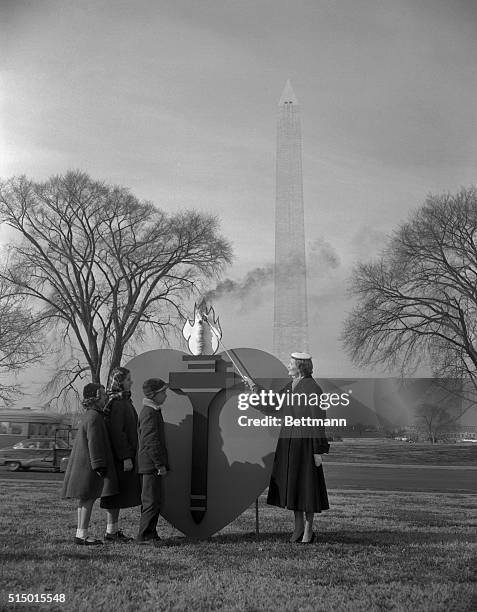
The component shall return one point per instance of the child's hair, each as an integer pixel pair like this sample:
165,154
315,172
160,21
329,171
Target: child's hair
118,375
116,390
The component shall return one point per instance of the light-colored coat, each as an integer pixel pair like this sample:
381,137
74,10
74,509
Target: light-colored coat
91,450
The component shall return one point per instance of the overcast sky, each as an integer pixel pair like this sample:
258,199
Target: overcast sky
178,101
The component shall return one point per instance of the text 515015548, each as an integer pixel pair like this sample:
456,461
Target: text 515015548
36,597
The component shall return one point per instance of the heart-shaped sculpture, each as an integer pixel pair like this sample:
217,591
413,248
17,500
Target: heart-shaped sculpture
240,457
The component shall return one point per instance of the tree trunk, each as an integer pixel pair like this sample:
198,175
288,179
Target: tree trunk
116,357
96,373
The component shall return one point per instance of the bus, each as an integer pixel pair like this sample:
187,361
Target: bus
17,424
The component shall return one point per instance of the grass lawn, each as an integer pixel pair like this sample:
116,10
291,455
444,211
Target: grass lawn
375,551
374,450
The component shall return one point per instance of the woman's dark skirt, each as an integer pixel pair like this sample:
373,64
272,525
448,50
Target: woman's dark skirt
296,483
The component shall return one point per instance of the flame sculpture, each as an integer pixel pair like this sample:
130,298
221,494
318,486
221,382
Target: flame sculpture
204,334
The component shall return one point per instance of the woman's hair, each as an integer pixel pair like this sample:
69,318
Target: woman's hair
118,375
305,366
91,394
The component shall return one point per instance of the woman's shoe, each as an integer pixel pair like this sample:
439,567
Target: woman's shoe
297,539
311,540
87,541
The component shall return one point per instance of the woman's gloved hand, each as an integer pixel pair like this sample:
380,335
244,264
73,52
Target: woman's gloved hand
128,465
250,383
101,471
318,460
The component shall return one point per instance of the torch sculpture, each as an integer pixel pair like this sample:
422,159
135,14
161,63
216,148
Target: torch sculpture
207,377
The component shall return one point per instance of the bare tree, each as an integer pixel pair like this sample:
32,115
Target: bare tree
101,267
439,407
418,302
20,342
433,419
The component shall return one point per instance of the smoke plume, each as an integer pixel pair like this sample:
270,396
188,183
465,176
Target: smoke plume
248,291
252,283
322,256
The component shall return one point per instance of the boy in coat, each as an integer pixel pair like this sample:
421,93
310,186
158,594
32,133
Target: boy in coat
152,463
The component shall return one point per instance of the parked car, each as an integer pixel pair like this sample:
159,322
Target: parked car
32,453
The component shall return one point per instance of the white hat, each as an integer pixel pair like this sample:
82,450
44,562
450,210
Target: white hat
301,356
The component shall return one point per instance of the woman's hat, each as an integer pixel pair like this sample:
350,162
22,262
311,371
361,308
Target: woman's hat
301,356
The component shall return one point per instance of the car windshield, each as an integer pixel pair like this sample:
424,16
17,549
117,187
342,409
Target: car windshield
41,444
26,444
61,444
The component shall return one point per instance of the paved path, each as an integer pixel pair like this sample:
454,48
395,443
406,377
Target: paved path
353,476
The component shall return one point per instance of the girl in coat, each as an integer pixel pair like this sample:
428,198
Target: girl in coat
297,481
90,473
122,420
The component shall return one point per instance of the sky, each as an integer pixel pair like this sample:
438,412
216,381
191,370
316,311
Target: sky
178,102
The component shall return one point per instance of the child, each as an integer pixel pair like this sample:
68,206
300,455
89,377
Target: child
90,473
122,422
151,459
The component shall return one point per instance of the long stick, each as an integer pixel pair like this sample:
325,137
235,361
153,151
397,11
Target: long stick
217,335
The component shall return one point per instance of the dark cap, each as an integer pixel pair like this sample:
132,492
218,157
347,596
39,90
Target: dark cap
151,386
91,390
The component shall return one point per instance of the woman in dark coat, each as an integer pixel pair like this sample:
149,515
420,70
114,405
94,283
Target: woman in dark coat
90,473
297,481
121,419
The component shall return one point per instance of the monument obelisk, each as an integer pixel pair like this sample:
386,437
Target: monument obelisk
290,329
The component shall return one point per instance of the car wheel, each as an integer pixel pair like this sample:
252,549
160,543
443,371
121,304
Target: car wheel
14,466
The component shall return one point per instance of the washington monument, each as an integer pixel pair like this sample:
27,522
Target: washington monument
290,329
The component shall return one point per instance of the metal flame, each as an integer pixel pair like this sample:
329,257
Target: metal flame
204,333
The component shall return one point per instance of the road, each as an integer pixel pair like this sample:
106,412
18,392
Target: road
356,476
401,478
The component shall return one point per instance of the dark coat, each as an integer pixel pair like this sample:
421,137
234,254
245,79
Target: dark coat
122,426
296,483
91,450
152,450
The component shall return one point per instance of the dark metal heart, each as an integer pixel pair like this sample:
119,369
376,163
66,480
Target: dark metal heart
240,459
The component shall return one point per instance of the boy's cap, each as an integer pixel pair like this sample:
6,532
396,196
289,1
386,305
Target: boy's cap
153,385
